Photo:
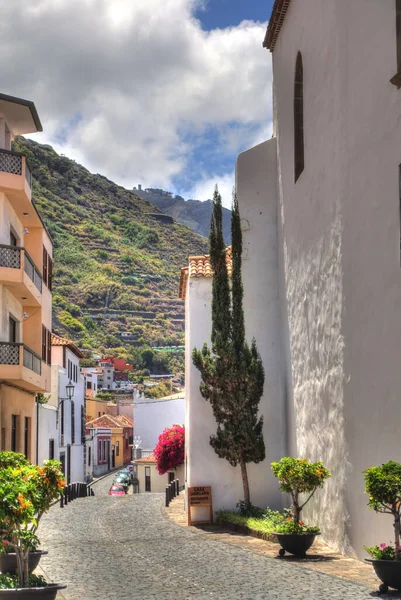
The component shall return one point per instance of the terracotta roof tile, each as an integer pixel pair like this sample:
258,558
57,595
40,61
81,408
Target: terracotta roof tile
104,421
146,459
199,266
59,341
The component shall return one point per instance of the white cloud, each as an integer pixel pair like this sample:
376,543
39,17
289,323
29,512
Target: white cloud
204,188
133,74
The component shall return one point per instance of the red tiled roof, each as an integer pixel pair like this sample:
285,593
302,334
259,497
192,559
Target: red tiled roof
275,23
124,420
59,341
90,393
199,266
146,459
104,421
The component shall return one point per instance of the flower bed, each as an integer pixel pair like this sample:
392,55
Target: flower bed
260,523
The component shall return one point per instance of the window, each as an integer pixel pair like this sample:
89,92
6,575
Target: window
45,265
47,269
147,479
82,425
299,160
89,456
62,419
104,451
27,435
100,452
88,385
46,345
117,448
72,422
398,32
51,449
14,433
13,239
12,329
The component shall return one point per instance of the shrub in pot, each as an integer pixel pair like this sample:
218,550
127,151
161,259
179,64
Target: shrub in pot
298,476
383,485
26,493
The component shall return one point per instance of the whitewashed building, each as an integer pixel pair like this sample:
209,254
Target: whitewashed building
320,207
152,416
70,405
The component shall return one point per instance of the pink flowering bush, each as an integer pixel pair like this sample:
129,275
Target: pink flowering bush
170,449
382,552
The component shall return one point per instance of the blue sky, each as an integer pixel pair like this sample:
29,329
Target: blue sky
141,91
228,13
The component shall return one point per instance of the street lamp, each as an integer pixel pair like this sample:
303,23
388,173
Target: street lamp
69,388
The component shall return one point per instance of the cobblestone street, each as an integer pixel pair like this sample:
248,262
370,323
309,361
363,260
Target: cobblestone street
121,548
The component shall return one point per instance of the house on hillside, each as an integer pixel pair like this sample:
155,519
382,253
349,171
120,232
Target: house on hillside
320,206
150,479
25,286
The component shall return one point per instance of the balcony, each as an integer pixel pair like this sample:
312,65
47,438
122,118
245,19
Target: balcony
16,181
20,275
23,367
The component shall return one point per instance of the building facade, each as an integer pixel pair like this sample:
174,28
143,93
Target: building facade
150,479
25,286
320,209
70,410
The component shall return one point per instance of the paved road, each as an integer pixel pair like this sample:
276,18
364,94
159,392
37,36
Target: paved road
124,548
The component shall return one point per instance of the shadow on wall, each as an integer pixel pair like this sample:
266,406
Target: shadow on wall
315,348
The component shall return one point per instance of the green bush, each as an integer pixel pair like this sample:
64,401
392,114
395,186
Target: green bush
69,321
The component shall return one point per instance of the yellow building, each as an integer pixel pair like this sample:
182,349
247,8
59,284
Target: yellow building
95,407
117,438
25,286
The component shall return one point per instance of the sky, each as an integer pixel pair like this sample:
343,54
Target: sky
162,93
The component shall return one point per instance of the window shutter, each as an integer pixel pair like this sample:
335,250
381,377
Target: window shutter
50,274
45,262
49,348
44,343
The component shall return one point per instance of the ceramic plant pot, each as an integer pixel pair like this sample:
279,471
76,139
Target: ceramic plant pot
295,543
8,561
35,593
389,572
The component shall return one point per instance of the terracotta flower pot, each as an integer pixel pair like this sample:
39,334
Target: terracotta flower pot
389,572
295,543
8,561
43,593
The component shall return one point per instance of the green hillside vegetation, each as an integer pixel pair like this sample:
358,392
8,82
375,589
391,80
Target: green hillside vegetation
116,268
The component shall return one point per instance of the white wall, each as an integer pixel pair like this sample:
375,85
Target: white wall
157,482
340,230
47,431
151,417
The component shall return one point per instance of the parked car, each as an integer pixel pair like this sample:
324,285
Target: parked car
122,480
126,472
117,490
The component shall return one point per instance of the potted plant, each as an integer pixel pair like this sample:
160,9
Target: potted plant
383,484
26,493
298,476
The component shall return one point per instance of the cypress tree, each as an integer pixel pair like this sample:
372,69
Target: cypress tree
231,371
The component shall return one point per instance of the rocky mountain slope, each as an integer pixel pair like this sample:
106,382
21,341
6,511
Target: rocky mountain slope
192,213
116,266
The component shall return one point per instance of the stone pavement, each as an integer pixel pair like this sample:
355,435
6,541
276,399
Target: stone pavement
123,548
320,557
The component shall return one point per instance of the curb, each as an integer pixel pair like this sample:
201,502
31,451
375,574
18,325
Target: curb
239,528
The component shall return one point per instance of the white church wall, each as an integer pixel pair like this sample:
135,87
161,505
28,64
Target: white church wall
339,226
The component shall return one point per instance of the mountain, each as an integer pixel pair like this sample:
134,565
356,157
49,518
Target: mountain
192,213
117,264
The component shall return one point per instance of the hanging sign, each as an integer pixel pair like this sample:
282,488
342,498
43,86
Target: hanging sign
200,497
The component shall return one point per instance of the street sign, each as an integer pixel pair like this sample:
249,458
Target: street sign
200,497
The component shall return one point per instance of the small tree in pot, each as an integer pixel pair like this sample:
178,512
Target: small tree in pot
298,476
26,493
383,485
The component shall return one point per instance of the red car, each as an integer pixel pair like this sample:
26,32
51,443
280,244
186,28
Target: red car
116,490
